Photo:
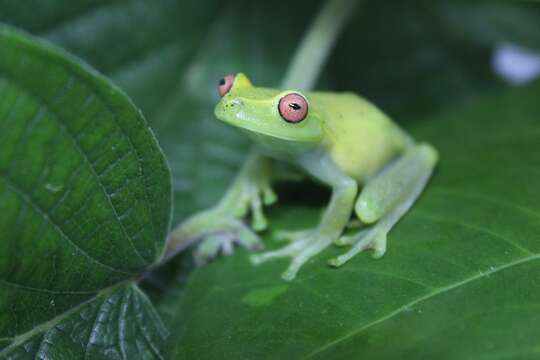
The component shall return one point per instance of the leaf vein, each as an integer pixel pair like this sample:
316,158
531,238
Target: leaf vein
58,229
477,228
93,169
7,283
142,327
75,142
420,299
485,197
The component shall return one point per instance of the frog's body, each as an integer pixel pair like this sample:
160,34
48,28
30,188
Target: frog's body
341,140
358,136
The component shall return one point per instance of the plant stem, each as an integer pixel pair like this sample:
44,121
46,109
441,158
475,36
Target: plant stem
316,45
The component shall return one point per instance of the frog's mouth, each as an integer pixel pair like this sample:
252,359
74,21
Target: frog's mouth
232,112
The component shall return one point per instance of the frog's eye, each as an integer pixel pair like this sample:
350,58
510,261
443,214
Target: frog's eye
293,108
225,85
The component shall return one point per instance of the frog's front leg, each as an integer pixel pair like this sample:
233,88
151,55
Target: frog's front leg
307,243
386,198
222,226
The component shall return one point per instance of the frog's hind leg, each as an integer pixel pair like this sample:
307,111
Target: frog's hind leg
386,198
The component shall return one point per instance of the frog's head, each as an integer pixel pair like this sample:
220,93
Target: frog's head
284,115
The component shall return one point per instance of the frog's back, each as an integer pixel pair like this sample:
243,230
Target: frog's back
360,138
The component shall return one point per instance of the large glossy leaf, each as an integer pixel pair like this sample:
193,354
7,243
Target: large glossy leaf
85,191
460,279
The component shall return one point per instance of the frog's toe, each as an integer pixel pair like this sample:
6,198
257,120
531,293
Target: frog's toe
211,246
347,240
305,245
224,242
255,197
379,246
258,220
344,240
249,239
373,238
318,244
269,196
286,251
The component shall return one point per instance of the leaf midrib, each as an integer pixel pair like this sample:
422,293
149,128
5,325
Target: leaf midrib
21,338
420,299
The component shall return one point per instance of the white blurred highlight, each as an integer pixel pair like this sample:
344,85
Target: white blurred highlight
516,64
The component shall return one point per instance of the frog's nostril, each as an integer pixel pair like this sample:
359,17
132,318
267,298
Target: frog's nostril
233,103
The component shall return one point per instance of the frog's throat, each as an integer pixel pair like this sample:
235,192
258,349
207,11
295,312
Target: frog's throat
256,130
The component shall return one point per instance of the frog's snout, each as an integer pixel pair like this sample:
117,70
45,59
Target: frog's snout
232,103
227,107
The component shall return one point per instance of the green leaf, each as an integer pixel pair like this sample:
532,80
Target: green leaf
85,191
459,281
504,22
120,324
394,52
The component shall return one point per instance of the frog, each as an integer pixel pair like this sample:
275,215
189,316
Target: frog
373,168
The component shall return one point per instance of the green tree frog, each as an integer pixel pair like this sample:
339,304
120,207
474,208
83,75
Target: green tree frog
339,139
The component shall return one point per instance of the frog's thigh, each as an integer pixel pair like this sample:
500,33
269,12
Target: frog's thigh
401,181
386,198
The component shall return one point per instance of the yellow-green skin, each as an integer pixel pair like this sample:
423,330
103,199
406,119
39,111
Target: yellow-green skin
344,142
359,137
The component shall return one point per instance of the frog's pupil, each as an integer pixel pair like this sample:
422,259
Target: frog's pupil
295,106
222,82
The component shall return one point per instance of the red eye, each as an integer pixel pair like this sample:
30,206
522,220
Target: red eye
225,85
293,108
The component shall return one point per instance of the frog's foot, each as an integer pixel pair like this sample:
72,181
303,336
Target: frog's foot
348,240
304,245
372,238
218,232
224,242
253,196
